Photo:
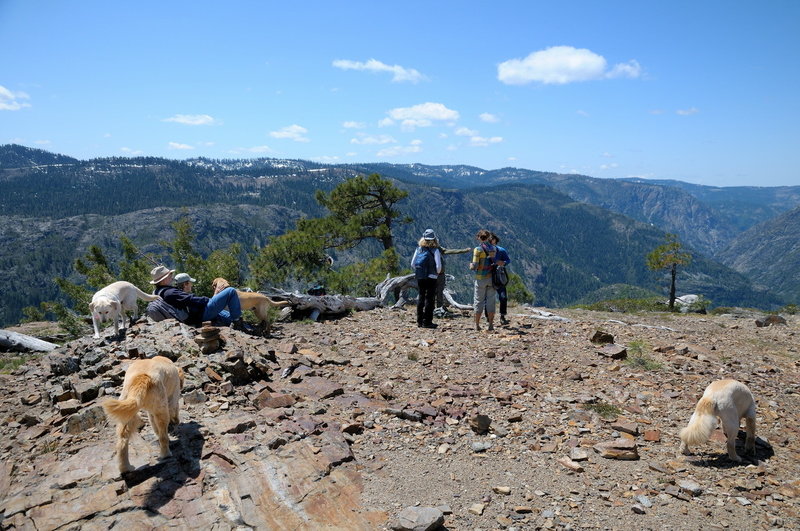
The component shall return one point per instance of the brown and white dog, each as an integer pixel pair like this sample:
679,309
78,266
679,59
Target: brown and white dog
153,385
729,400
111,303
252,300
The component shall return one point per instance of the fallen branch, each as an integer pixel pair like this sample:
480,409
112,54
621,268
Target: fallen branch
325,304
399,286
23,343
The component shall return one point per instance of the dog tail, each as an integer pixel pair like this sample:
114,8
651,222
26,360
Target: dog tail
144,296
702,423
279,304
124,410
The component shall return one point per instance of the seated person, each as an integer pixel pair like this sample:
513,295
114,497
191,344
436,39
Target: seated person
200,309
184,282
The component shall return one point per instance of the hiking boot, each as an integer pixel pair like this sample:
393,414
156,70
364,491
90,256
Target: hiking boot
478,327
490,327
430,325
242,326
503,320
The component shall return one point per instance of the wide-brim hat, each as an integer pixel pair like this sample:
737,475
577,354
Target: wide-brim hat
159,273
429,235
180,278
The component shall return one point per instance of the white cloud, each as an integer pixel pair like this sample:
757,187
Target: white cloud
354,125
399,73
422,115
657,111
293,132
259,149
611,166
560,65
688,112
386,122
12,101
176,145
130,151
489,118
326,158
394,151
630,69
480,141
580,112
42,142
464,131
191,119
364,139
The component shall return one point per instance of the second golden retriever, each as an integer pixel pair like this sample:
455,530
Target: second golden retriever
251,300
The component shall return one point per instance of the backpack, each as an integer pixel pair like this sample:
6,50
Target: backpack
158,310
499,276
424,263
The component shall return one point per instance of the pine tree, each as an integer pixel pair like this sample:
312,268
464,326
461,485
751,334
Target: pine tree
669,256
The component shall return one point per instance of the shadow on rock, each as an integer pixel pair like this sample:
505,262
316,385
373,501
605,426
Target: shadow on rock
173,472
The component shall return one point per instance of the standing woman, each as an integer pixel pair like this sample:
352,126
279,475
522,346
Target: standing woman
427,264
482,260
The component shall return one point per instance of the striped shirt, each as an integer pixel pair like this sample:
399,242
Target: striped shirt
483,258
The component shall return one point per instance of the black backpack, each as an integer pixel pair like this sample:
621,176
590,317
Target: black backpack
424,263
499,276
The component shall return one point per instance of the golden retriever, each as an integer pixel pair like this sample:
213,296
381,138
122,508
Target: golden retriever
729,400
111,303
153,385
251,300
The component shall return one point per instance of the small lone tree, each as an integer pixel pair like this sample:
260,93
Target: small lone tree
669,256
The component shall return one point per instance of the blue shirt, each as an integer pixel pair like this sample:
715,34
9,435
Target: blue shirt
502,255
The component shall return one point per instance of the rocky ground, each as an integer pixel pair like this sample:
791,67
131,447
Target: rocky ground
368,422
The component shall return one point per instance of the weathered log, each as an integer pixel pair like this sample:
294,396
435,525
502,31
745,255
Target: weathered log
325,304
22,343
399,286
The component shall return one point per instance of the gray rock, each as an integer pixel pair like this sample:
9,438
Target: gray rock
419,519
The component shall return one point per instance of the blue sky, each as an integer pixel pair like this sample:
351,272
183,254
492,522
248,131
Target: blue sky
700,91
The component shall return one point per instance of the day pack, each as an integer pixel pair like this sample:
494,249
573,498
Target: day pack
499,276
424,263
158,310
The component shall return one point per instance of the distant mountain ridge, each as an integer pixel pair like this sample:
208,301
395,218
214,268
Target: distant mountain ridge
570,234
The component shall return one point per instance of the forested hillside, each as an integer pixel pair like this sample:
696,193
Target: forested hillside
769,253
55,207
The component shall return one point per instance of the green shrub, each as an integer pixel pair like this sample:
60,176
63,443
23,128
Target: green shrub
607,411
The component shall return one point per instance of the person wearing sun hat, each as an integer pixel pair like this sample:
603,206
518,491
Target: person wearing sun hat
429,246
200,309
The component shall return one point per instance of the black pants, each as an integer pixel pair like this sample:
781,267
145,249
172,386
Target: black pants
440,281
427,296
502,296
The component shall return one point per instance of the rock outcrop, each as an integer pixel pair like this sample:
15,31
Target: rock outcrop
368,422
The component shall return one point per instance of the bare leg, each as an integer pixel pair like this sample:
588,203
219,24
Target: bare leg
490,318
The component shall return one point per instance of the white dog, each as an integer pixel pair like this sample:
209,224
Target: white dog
155,386
111,303
730,401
